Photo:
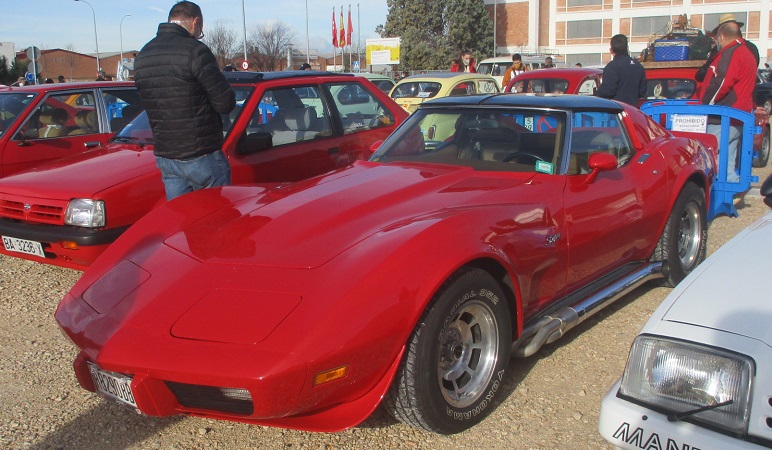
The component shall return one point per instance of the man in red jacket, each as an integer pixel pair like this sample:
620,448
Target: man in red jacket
729,81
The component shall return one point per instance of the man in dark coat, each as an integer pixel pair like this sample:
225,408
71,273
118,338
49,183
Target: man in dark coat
624,78
184,93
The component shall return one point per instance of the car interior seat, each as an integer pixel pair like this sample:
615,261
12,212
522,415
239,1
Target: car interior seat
583,144
86,122
54,121
128,113
302,121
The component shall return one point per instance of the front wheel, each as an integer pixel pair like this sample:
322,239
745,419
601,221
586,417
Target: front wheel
683,244
456,358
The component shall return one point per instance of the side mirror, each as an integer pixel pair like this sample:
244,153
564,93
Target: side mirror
254,142
375,145
600,162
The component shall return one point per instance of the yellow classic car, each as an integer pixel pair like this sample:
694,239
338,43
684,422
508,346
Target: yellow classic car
415,89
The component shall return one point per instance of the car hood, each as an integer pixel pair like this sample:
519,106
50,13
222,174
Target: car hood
306,224
729,291
94,171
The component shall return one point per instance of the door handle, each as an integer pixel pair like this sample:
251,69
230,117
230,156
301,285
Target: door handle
91,144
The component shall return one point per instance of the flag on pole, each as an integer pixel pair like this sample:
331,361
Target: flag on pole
342,30
334,30
350,29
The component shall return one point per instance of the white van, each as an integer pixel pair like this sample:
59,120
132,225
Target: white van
496,67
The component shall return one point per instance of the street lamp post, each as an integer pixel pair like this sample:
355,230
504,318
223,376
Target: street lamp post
96,39
308,51
120,34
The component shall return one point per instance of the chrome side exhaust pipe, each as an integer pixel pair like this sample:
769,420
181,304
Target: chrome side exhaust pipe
552,327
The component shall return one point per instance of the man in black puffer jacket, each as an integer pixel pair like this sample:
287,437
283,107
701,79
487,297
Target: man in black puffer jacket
184,93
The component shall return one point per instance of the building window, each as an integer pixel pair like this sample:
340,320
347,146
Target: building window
646,26
710,21
585,3
579,29
585,59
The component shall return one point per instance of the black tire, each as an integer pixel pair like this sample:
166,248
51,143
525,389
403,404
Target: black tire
763,158
768,105
451,374
683,243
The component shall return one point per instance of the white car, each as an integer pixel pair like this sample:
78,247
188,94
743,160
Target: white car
699,375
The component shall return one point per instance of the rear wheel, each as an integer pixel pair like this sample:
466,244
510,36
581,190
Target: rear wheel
683,243
763,158
768,105
456,357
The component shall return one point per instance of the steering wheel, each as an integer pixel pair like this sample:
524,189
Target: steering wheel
518,155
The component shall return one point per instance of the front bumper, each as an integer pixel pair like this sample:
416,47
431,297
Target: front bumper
630,426
90,243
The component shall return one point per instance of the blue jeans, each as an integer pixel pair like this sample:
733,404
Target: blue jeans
734,145
183,176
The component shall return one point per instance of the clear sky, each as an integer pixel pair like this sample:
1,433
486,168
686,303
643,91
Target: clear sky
57,23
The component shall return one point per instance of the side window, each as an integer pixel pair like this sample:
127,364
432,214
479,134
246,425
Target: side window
359,109
122,105
463,88
594,132
62,115
291,115
588,87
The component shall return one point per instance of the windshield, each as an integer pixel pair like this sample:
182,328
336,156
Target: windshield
418,89
511,140
11,107
494,69
669,88
540,86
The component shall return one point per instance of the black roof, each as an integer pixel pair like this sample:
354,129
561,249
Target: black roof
254,77
565,101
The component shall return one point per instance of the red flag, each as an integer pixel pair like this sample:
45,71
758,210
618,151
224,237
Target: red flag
334,30
350,29
342,30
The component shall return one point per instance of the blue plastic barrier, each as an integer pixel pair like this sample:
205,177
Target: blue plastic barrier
722,193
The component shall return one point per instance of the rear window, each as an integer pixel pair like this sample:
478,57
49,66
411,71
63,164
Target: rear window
540,86
670,88
418,89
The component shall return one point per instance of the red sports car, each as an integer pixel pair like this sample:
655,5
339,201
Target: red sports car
286,126
408,279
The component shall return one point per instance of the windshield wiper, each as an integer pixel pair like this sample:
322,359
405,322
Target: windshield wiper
675,417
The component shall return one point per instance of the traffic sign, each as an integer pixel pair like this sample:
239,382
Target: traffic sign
33,52
356,65
245,65
29,76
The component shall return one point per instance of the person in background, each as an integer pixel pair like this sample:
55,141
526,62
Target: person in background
515,69
305,66
730,81
548,64
60,78
624,78
465,64
49,81
578,65
101,76
184,92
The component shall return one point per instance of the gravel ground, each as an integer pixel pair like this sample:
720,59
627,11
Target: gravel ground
552,401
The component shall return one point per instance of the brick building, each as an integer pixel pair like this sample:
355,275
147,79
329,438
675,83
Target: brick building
581,29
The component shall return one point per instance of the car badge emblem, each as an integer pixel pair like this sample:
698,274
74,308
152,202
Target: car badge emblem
27,206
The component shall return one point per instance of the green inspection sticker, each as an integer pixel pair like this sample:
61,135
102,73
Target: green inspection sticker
545,167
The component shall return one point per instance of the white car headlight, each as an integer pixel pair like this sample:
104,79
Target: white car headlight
84,212
677,377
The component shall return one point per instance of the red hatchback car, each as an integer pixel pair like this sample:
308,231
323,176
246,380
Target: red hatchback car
574,80
51,121
287,126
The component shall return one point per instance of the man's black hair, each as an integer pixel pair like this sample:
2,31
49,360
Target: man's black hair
185,10
619,44
517,57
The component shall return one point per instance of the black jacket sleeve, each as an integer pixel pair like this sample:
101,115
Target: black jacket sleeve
608,88
205,69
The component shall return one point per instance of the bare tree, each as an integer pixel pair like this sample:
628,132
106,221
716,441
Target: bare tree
268,45
223,42
69,60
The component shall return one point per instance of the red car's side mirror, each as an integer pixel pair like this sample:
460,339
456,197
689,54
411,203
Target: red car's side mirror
601,162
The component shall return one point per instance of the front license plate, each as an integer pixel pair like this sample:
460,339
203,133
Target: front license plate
17,245
113,385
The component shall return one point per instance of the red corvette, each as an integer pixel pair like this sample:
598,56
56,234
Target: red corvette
409,278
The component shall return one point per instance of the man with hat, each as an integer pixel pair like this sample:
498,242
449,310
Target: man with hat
729,18
730,79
